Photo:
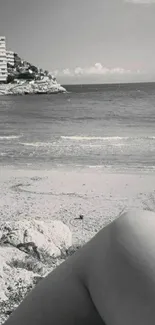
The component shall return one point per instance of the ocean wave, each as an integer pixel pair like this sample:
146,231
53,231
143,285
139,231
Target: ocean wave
88,138
36,144
88,141
11,137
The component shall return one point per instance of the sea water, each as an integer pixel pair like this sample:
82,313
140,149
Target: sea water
103,126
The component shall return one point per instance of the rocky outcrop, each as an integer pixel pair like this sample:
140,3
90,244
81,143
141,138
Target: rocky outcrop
25,78
29,250
44,86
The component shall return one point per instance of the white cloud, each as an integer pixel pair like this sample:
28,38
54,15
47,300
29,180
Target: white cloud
78,71
98,69
141,1
67,72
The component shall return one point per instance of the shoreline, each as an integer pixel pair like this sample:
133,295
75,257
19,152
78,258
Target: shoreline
64,194
29,168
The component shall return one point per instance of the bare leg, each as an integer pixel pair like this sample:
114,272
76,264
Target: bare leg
121,278
111,279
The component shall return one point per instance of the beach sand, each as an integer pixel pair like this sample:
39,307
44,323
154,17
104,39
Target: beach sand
65,194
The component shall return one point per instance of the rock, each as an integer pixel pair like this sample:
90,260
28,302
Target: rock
15,281
11,275
37,237
71,250
32,87
21,270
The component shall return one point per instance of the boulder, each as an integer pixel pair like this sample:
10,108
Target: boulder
37,236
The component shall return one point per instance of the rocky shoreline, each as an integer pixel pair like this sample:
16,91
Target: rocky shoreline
24,87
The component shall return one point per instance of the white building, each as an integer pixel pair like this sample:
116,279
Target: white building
3,60
10,57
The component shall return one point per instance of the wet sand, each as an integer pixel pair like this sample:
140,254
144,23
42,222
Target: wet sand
65,194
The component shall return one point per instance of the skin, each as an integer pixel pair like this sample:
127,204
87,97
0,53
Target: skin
111,280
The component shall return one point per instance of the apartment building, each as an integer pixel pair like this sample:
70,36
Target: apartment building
10,55
3,60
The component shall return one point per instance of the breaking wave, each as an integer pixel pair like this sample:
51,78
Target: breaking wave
11,137
36,144
81,138
85,140
78,138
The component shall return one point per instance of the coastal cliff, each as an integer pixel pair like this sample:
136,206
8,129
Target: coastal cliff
25,78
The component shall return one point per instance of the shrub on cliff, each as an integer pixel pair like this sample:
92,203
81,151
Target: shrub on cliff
10,78
26,76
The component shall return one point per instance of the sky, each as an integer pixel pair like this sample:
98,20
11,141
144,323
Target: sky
83,41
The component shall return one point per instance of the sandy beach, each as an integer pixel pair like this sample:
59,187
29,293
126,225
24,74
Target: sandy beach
65,194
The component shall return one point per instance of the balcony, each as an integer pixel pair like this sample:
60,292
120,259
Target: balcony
2,53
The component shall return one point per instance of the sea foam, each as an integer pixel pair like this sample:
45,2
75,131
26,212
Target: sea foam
115,138
80,138
11,137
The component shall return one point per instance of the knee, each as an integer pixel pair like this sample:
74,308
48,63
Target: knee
135,219
134,229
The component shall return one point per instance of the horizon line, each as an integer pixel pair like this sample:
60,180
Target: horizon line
110,83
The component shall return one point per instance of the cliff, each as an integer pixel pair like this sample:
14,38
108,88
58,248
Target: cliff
25,78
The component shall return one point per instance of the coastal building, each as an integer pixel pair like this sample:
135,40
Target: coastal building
3,60
10,57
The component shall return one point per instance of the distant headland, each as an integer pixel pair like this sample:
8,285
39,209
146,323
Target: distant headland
19,77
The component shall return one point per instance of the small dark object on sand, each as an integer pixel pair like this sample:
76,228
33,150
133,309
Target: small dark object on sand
81,217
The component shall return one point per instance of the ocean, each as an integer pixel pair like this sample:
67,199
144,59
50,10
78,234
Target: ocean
102,126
